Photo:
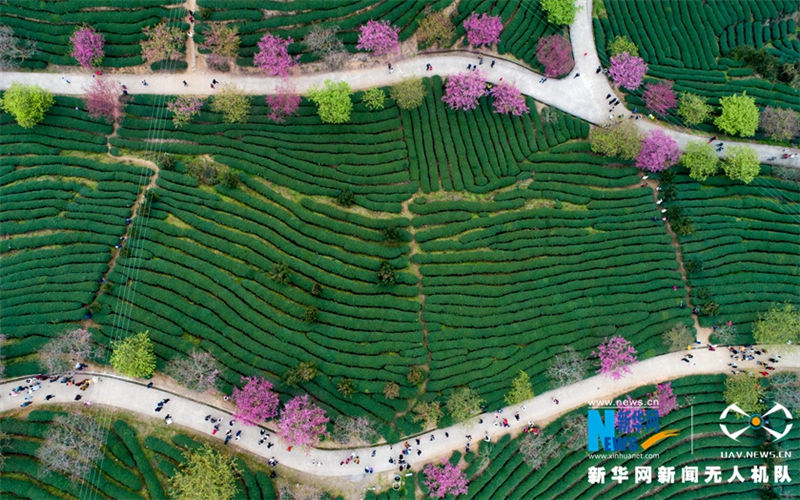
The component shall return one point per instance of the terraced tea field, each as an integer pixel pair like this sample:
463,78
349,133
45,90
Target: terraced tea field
690,43
132,466
201,257
50,25
505,475
744,247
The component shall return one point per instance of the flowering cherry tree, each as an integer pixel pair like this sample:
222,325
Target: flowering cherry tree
627,70
163,42
380,37
273,55
463,90
659,152
555,54
223,43
283,103
629,415
667,401
483,29
256,401
615,355
103,99
184,108
508,100
659,97
444,479
87,47
302,422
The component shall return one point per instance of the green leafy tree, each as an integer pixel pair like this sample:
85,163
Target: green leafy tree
744,391
232,103
693,108
463,403
205,474
391,390
739,115
305,371
333,102
346,387
622,44
678,337
559,11
134,356
521,389
779,325
701,160
373,98
435,28
409,93
415,375
621,139
427,412
26,103
741,163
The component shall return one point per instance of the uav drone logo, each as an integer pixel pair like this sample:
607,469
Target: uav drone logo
755,421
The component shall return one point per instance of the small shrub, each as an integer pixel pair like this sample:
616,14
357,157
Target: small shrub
346,198
280,273
415,375
386,274
311,314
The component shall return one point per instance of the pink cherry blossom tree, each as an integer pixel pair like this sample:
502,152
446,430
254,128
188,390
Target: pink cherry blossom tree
87,47
508,100
444,479
283,103
482,29
555,54
380,37
627,70
615,354
184,108
667,401
273,55
463,90
256,401
302,423
659,152
103,99
629,415
222,41
659,97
